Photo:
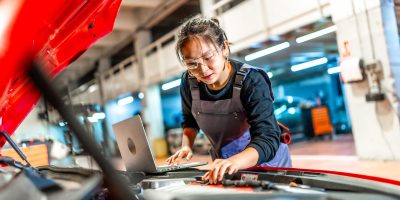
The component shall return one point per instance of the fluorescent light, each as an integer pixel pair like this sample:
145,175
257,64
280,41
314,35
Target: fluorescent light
290,99
141,95
267,51
82,88
99,115
291,111
81,118
280,110
312,54
92,119
92,88
316,34
61,123
125,101
334,70
301,58
270,74
171,84
309,64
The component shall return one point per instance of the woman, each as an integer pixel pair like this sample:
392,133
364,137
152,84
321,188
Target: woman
229,101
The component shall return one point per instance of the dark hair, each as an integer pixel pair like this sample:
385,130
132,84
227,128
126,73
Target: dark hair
207,28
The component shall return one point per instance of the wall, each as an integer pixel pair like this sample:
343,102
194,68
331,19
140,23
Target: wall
117,113
33,127
363,25
172,110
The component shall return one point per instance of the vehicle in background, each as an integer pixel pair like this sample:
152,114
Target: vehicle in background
295,113
288,111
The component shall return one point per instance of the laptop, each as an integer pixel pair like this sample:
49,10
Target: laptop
135,149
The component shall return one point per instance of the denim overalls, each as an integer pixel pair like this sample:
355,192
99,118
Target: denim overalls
224,122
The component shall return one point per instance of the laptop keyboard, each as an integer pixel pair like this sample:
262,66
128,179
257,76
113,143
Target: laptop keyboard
165,168
170,167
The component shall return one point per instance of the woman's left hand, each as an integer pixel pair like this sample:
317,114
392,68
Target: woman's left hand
218,168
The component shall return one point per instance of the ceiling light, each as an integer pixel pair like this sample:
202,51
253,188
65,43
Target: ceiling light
92,119
270,74
334,70
298,59
290,99
280,110
267,51
316,34
99,115
292,111
171,84
92,88
82,88
125,101
141,95
309,64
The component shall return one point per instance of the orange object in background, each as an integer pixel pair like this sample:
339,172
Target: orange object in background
37,155
160,148
321,120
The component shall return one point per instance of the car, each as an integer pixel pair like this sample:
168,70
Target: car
288,111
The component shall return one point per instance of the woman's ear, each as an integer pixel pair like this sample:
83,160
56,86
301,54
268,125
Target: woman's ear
225,50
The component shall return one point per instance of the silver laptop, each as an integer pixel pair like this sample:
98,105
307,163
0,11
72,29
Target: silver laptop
135,149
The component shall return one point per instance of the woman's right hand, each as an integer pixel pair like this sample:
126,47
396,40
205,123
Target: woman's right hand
184,153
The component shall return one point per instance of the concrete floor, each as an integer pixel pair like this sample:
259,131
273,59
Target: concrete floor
336,155
340,155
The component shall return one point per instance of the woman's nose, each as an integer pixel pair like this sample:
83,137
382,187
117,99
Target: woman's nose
203,67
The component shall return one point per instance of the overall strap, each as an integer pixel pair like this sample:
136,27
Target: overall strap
194,87
241,76
239,80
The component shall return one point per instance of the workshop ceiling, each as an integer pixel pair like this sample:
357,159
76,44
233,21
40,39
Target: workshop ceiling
157,16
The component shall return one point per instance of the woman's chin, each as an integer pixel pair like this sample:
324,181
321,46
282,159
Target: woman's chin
209,81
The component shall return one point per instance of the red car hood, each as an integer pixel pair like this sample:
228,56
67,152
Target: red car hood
54,32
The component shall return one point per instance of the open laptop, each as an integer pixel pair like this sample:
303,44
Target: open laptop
135,149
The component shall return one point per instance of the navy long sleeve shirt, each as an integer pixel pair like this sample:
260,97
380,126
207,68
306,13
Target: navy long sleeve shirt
256,99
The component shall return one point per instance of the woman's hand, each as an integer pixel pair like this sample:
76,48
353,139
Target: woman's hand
184,153
218,168
245,159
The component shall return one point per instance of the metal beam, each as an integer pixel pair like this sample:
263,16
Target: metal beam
161,12
112,39
140,3
127,20
94,52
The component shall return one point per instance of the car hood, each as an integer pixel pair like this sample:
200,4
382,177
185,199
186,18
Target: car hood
55,33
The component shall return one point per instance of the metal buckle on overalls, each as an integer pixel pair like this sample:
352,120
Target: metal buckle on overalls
239,78
193,82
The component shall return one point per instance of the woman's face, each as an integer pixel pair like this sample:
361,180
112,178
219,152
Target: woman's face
207,57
